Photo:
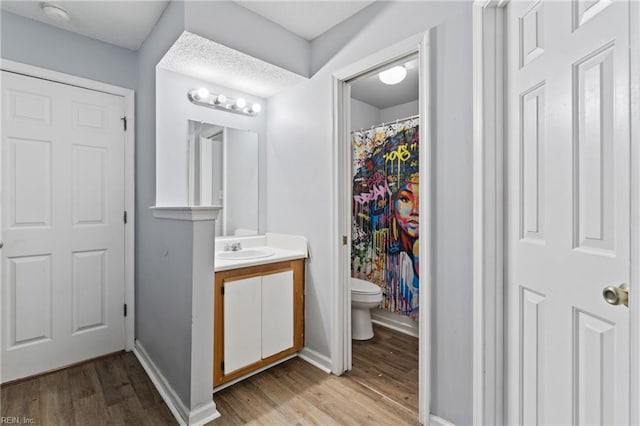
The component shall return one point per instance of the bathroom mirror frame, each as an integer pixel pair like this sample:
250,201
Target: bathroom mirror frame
224,170
341,350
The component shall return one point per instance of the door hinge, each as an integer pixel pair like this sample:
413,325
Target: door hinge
344,240
125,309
124,122
222,291
124,217
222,365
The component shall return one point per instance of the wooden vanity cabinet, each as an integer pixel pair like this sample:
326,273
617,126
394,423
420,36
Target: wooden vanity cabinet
258,317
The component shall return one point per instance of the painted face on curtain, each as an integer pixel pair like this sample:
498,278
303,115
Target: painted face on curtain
406,209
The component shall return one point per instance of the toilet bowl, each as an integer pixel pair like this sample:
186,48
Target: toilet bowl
364,297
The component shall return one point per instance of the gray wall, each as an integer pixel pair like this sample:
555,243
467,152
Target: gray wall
163,247
34,43
299,135
391,114
363,115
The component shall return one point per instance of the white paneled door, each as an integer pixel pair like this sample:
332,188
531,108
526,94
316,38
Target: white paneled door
568,230
62,225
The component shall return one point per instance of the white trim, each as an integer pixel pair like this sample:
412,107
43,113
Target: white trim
634,314
341,210
182,414
394,324
188,213
488,348
488,217
129,164
316,359
439,421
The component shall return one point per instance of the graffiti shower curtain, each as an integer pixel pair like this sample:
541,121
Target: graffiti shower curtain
385,218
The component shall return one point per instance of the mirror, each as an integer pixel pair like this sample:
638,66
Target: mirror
223,171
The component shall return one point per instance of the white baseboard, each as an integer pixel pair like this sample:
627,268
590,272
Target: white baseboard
395,322
439,421
316,359
185,417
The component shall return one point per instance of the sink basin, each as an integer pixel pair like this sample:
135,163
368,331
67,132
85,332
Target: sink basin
245,254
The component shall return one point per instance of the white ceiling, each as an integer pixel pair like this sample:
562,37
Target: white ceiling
207,60
123,23
128,23
308,19
372,91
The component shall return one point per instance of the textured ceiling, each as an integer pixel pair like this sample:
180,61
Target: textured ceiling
123,23
308,19
372,91
207,60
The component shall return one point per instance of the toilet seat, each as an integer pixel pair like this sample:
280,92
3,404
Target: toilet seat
363,287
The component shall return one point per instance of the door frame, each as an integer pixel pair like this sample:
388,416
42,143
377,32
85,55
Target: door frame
341,355
489,211
129,173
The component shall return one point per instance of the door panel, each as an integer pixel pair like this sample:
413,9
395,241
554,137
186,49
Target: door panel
568,212
62,205
277,313
29,183
242,323
30,299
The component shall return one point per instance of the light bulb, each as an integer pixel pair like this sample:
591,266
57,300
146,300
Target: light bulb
203,93
240,103
220,99
256,108
393,75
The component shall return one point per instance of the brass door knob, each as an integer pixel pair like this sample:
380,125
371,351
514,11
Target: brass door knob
617,295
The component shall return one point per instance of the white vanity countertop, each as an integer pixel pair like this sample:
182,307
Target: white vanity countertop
285,247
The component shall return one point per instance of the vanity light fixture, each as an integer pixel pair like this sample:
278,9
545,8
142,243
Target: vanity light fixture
203,97
393,75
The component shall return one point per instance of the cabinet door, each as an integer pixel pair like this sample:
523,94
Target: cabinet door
242,329
277,313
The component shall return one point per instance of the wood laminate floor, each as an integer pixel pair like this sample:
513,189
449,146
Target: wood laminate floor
380,390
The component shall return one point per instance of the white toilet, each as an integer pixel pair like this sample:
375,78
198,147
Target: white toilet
365,296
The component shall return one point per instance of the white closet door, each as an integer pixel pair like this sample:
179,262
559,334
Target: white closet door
242,318
277,313
62,225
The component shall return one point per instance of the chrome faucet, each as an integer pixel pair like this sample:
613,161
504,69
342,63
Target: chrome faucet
232,247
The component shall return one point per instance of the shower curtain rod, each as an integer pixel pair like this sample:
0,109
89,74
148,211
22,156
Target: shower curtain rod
391,122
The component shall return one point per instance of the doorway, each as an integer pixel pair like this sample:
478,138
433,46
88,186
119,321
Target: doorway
385,280
342,356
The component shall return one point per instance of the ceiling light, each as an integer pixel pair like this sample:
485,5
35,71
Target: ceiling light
256,108
393,75
55,12
220,99
240,103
